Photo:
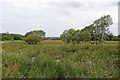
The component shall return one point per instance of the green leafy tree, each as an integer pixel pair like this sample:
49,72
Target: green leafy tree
119,35
85,36
17,37
109,37
6,36
67,35
90,29
115,38
32,39
36,32
76,37
102,28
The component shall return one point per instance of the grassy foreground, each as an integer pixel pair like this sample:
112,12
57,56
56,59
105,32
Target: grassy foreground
21,60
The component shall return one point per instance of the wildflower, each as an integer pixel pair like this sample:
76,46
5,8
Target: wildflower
33,59
16,54
90,63
57,62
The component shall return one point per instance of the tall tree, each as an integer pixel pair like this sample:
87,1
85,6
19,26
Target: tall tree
75,37
85,36
90,29
40,33
102,27
67,35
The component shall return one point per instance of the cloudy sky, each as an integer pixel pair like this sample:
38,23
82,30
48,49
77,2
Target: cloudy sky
54,16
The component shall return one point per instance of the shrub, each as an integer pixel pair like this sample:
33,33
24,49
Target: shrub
32,39
18,37
7,37
11,36
115,38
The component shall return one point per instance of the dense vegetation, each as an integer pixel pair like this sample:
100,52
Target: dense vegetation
98,31
40,33
54,59
10,37
32,39
7,36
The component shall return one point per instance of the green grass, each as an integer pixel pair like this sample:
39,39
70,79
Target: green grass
74,60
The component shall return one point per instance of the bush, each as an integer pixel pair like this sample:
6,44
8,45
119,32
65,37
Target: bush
18,37
32,39
11,36
115,38
7,37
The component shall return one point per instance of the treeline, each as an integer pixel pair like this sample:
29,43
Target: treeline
98,31
7,36
53,38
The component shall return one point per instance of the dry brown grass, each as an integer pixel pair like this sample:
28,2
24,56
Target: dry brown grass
112,41
52,41
106,41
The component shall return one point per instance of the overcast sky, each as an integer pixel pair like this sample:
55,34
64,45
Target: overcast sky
54,16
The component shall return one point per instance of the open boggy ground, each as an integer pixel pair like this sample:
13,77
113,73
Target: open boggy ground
54,59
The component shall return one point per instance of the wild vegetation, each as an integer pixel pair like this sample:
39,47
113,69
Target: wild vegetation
32,39
8,37
98,31
34,56
55,59
40,33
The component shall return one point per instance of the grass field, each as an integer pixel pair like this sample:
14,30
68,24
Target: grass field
54,59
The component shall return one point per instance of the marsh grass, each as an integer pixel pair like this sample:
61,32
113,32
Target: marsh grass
74,60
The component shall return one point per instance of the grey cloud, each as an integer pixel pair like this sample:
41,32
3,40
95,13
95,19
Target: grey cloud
72,4
83,5
58,15
65,4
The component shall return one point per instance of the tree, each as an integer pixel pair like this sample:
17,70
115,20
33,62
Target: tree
55,38
90,29
67,35
6,36
85,36
119,35
36,32
109,37
101,28
17,37
98,31
115,38
32,39
76,37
